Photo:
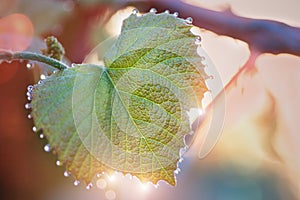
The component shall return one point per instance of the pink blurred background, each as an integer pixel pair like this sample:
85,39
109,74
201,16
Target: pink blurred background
256,158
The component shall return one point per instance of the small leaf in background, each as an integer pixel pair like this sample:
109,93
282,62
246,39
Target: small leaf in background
130,115
54,48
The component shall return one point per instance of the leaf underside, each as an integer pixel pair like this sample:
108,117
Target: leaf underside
129,115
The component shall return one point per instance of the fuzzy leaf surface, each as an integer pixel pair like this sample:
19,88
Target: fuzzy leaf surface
130,115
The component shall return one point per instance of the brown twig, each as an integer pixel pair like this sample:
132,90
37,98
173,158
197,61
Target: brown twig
264,36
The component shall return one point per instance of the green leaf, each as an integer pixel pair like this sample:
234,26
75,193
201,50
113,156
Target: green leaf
130,116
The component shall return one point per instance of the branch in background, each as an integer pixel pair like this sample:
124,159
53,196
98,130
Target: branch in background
264,36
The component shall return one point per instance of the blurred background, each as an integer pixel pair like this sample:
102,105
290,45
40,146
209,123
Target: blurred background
256,158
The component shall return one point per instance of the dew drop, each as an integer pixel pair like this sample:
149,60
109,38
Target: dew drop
34,129
28,94
110,194
89,186
180,160
29,88
40,82
167,11
182,151
176,14
29,98
42,76
189,20
129,176
66,174
47,148
176,172
101,183
98,175
135,11
198,40
27,106
153,10
29,65
29,116
42,136
76,182
58,163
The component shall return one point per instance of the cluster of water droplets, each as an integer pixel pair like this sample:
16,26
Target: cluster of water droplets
47,148
153,10
198,40
100,181
188,20
30,66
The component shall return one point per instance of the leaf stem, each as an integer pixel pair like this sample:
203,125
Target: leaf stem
26,55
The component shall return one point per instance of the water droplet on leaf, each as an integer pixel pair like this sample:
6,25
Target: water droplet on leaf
29,88
135,11
176,14
29,65
198,40
153,10
42,76
182,151
29,116
27,106
34,129
211,77
189,20
42,135
89,186
76,182
66,174
58,163
28,94
47,148
167,11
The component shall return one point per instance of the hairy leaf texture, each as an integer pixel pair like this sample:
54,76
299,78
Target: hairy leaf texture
130,115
